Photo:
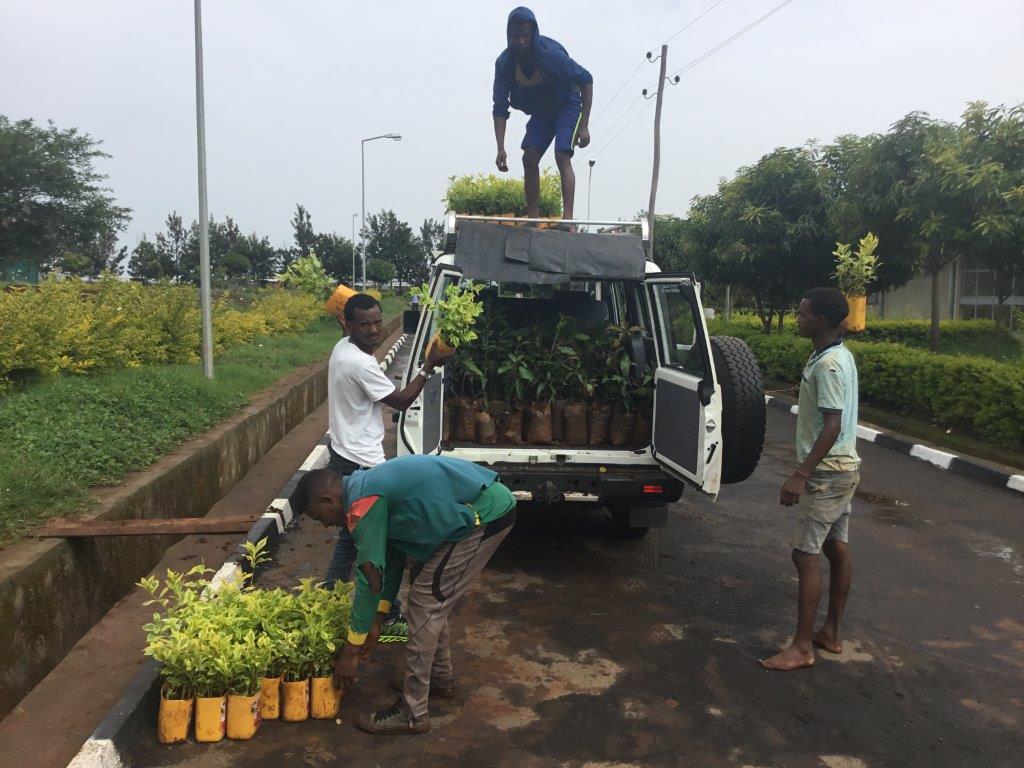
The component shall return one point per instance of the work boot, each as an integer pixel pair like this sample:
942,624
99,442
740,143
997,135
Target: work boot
393,721
442,690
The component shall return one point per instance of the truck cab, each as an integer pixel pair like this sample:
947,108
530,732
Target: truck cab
534,277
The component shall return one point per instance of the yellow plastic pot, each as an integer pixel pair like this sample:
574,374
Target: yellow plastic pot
336,302
211,718
442,347
270,698
295,701
173,720
856,321
243,716
324,698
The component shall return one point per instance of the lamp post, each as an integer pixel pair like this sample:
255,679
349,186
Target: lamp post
354,251
204,212
362,229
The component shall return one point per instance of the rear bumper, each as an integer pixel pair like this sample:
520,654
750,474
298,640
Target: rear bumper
620,487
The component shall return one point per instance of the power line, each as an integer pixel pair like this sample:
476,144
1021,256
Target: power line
709,53
644,60
625,112
691,23
610,141
631,76
690,65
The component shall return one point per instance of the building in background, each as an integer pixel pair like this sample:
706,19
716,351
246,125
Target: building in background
965,290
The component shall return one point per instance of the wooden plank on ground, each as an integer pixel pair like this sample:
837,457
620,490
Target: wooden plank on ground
77,529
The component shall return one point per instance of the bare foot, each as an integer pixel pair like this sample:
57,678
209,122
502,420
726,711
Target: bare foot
825,639
791,658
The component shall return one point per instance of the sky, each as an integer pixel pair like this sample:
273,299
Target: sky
293,87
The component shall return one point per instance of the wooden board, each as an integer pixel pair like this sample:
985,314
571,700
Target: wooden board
77,529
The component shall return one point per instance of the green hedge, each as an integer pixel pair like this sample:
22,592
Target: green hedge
978,397
912,332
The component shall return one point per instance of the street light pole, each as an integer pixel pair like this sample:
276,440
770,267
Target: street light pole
354,250
204,212
362,229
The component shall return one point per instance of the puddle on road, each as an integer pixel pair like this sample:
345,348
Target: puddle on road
996,549
889,510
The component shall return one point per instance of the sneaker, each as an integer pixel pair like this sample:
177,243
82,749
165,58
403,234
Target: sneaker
440,690
393,721
396,631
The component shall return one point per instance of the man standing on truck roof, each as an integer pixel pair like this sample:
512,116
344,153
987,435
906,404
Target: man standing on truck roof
449,516
357,390
824,481
534,74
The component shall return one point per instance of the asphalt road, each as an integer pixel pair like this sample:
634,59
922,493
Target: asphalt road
577,649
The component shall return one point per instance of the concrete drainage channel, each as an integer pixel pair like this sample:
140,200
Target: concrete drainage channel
134,715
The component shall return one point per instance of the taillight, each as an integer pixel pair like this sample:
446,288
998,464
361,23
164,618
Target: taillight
654,489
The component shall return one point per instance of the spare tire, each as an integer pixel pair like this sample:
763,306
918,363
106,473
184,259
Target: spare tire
743,408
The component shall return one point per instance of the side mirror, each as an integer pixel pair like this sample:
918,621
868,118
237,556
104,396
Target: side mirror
410,321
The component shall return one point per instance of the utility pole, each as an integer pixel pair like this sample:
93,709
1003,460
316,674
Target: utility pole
657,145
204,211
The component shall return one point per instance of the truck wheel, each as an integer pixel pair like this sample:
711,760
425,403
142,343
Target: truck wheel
743,409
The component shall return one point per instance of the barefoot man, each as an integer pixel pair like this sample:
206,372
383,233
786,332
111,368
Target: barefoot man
823,483
535,74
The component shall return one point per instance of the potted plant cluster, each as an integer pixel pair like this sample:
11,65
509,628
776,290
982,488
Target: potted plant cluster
547,384
238,655
855,271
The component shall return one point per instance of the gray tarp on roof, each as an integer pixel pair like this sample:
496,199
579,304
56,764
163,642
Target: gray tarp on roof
498,252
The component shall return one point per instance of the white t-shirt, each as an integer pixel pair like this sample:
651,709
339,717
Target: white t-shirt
355,387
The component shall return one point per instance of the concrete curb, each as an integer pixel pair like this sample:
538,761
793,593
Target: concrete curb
967,466
103,748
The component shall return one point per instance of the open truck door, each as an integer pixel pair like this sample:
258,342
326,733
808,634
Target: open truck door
687,433
428,410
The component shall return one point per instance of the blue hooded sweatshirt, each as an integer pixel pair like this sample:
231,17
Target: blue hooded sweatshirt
554,82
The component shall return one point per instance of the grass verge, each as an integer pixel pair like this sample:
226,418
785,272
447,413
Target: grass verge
61,437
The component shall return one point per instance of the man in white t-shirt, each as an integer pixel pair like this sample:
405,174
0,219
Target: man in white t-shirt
357,391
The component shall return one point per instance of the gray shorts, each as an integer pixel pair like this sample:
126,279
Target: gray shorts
824,509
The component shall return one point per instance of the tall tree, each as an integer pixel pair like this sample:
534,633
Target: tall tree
335,252
119,261
173,246
991,149
302,228
380,271
860,175
674,246
52,199
264,259
935,205
222,235
145,264
391,239
766,230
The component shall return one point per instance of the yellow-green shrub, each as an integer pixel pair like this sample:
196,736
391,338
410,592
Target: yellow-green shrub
491,195
74,327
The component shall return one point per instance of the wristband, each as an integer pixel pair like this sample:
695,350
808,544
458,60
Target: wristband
425,373
802,474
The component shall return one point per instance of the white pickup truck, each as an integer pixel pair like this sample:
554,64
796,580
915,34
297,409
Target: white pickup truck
709,408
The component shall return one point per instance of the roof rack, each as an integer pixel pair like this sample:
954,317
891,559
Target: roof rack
452,219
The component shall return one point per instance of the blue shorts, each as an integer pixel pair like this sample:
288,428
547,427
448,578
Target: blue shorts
561,126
